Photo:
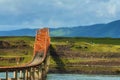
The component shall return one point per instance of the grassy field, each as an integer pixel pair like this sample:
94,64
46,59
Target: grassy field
16,50
85,55
114,41
90,44
78,55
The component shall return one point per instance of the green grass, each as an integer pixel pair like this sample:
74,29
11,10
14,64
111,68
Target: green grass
93,55
89,44
84,46
103,49
26,52
113,41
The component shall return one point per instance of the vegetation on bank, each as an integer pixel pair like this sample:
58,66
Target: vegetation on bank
89,44
85,55
15,50
72,55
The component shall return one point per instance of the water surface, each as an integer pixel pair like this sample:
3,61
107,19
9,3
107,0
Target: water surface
74,77
81,77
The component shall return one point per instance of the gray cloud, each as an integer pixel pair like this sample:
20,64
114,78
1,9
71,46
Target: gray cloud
57,13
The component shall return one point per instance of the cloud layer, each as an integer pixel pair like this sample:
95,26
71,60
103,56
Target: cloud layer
16,14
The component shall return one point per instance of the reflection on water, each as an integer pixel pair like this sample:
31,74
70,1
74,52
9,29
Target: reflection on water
81,77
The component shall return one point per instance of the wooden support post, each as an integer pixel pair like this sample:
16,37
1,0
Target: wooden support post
15,75
32,74
43,71
40,72
29,74
26,74
36,73
6,75
21,76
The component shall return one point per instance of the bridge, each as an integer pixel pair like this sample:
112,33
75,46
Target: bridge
37,68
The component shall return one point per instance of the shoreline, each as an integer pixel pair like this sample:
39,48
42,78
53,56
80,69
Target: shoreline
105,70
69,71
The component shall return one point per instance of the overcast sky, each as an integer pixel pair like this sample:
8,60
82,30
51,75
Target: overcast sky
16,14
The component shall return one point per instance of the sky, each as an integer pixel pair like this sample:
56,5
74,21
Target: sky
18,14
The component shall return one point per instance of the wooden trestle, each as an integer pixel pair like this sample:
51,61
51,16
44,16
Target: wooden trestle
37,68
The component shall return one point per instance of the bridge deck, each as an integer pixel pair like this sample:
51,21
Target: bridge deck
42,42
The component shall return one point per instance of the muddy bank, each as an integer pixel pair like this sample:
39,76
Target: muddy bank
86,70
66,60
4,44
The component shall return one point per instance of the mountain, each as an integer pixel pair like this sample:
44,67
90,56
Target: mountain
20,32
111,29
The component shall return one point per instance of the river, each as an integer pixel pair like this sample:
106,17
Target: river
75,77
81,77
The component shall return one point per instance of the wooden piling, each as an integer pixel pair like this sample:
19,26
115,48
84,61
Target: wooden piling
6,75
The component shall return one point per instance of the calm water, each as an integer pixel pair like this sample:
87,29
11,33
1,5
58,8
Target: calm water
74,77
81,77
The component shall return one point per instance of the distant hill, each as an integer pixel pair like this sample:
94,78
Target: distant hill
98,30
20,32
